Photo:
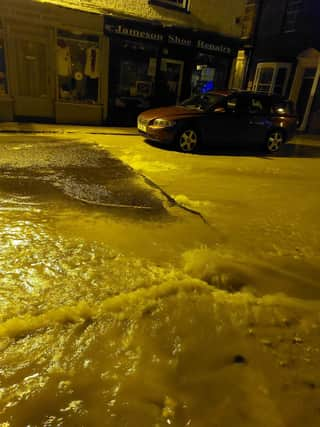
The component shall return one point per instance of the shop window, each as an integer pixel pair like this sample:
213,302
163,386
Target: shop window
135,81
272,78
293,10
175,4
78,67
209,73
3,73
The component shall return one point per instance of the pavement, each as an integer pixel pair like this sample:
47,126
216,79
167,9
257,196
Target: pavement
16,127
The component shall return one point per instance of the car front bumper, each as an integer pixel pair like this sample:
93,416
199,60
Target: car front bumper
160,135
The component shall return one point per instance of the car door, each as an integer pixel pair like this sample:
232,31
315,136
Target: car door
227,122
259,118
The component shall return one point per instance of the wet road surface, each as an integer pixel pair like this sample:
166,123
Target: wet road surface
119,308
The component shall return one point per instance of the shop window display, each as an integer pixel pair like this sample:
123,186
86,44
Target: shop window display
3,75
78,67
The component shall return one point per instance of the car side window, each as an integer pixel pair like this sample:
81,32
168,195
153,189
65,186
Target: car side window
257,106
232,104
237,104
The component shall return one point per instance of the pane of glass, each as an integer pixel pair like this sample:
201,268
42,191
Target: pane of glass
266,75
78,67
280,80
3,76
263,88
294,8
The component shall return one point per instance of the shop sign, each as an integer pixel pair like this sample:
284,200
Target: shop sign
199,40
132,30
172,36
180,41
213,47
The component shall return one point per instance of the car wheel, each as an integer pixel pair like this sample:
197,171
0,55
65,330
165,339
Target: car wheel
274,141
188,140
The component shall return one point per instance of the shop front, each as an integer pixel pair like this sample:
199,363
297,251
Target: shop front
154,65
135,49
50,64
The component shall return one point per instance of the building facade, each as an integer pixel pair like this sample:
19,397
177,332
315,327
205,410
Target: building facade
91,62
286,55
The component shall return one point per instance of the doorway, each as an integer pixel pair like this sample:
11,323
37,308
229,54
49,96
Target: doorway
32,83
171,72
305,90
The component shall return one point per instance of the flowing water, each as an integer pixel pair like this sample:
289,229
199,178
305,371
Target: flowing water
113,318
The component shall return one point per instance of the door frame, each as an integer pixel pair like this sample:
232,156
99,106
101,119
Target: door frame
175,61
309,58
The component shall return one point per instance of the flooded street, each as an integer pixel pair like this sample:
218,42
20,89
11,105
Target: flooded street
126,301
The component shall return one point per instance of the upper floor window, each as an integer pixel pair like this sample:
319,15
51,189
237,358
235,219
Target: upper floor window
294,8
249,19
173,4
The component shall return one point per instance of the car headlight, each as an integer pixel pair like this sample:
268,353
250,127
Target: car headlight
163,123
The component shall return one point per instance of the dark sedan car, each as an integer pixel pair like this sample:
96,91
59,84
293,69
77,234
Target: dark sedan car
222,117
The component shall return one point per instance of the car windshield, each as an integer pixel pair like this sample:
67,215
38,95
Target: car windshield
202,101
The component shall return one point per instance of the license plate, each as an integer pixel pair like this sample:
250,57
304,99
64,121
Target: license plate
142,127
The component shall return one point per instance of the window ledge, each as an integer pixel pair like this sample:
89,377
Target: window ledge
183,9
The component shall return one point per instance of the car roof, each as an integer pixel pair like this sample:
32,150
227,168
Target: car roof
228,92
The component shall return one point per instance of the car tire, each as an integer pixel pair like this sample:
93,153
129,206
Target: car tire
275,140
188,140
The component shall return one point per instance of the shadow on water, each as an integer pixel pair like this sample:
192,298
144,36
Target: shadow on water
296,150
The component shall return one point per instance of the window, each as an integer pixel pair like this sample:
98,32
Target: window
204,101
78,67
272,78
294,8
173,4
259,105
238,104
131,79
209,72
249,19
